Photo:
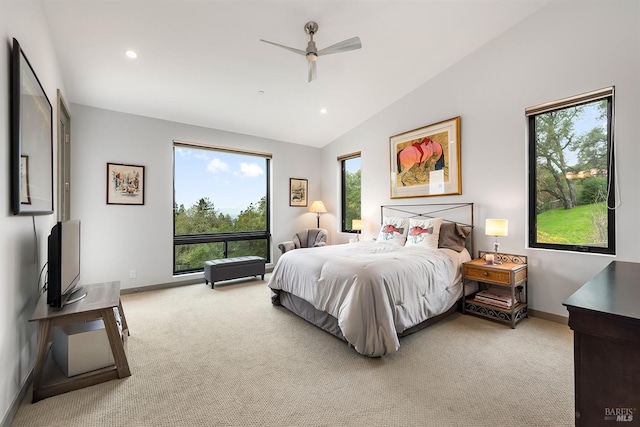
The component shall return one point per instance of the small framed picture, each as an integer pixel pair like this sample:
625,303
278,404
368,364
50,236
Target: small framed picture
297,192
125,184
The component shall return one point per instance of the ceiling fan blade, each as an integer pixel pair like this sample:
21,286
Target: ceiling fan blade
312,71
343,46
298,51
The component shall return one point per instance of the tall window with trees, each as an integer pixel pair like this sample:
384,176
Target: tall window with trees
571,174
221,205
351,193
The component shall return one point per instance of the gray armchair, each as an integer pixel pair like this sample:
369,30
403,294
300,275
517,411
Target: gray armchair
310,238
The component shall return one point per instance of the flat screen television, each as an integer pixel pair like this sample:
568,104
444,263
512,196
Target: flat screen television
64,264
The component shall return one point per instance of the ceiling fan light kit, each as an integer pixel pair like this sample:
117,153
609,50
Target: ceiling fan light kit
312,53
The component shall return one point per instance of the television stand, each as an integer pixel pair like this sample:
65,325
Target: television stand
100,300
76,295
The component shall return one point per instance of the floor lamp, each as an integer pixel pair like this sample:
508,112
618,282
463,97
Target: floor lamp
318,207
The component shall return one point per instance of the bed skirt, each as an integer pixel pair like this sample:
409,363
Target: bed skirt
328,323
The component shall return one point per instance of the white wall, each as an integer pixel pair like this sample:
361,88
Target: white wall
565,49
116,238
20,258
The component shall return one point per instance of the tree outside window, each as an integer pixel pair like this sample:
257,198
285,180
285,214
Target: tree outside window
571,175
351,190
221,205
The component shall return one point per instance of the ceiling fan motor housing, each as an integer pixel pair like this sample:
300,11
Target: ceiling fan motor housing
312,51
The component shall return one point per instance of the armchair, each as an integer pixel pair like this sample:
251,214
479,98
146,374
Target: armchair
309,238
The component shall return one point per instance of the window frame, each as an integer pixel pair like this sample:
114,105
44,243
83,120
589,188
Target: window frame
607,94
223,237
343,190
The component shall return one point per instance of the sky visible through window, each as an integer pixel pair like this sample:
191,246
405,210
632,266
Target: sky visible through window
589,119
353,165
230,181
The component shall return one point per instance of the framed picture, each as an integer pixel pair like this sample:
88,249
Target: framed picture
31,140
125,184
426,161
298,192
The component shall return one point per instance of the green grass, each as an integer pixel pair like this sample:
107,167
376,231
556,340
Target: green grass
570,226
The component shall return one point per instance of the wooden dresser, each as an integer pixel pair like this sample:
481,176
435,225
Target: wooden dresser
605,317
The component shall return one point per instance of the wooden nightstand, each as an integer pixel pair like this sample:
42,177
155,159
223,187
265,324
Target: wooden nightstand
511,275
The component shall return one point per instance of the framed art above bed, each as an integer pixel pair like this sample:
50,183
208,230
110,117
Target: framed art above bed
426,161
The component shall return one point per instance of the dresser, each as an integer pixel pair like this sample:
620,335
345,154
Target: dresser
604,315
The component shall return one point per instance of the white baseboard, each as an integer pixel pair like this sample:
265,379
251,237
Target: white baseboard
170,285
549,316
17,400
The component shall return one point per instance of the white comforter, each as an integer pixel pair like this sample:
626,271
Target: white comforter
374,290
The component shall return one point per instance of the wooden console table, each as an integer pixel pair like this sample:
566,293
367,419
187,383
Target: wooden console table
605,317
48,379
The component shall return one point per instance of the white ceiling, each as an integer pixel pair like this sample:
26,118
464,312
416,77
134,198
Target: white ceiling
200,62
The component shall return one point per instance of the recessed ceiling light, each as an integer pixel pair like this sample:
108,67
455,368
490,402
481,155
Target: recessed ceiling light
131,53
323,111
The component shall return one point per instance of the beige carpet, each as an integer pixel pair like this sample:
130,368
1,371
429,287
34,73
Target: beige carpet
227,357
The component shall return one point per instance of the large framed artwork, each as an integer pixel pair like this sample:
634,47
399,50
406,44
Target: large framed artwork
125,184
426,161
31,140
298,192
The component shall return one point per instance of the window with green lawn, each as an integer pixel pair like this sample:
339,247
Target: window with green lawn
572,174
351,194
221,205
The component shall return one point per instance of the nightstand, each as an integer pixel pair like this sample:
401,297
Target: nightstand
510,275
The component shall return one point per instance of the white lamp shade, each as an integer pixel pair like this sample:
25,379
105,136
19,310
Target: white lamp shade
496,227
317,207
357,224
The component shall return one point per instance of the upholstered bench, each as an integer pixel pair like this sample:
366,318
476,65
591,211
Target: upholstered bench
233,268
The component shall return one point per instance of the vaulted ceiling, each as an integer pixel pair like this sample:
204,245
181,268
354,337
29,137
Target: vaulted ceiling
200,62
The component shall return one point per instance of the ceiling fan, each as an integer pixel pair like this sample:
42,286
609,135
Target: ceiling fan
312,52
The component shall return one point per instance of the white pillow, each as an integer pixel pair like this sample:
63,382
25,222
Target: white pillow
424,232
393,231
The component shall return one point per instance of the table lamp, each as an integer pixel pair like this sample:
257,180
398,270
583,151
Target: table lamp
358,226
496,228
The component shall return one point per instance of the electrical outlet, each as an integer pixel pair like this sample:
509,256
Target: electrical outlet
132,274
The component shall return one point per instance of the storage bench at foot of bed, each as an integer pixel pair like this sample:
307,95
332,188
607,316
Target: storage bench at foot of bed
233,268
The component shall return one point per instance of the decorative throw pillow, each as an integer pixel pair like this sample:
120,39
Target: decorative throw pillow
453,236
394,230
424,232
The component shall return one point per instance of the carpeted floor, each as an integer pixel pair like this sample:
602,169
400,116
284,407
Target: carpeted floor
227,357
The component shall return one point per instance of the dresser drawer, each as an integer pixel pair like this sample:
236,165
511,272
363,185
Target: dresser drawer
487,275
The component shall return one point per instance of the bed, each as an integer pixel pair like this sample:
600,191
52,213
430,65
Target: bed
371,293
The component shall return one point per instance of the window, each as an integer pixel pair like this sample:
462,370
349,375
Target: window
221,205
350,166
571,174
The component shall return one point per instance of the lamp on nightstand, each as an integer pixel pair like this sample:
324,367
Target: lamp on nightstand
497,228
358,226
318,207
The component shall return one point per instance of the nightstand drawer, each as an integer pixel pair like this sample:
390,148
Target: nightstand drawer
487,275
